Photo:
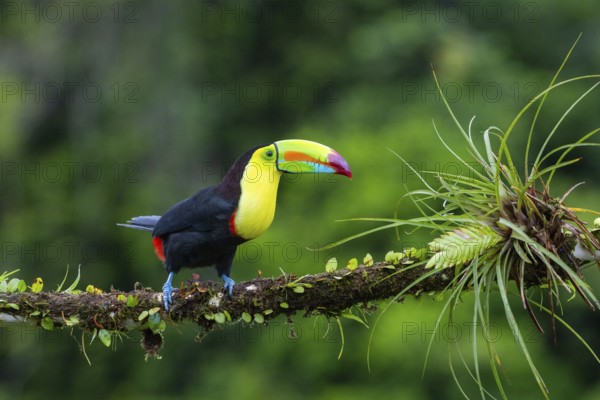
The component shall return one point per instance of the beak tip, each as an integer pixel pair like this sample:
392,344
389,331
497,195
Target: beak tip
340,164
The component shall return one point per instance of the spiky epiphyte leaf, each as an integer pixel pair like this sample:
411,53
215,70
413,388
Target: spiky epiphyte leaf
462,245
533,235
497,223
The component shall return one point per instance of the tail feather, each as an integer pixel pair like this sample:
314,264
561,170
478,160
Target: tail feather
144,223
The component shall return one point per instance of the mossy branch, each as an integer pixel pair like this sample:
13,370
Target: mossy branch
327,293
204,303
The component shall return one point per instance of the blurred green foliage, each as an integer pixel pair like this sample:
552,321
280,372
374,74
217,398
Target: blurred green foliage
112,109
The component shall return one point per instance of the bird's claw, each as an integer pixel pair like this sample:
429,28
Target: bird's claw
168,291
228,284
167,295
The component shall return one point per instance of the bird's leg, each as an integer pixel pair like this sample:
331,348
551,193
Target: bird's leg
168,291
228,284
224,270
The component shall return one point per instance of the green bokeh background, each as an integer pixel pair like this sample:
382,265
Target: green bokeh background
111,109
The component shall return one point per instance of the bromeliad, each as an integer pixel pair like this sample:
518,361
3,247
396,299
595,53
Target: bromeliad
206,228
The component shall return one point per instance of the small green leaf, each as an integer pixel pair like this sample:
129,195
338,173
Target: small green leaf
399,257
22,286
352,264
420,254
209,316
162,325
72,320
411,252
120,297
47,323
259,318
368,260
37,285
59,288
284,305
105,337
227,315
298,289
71,288
219,317
12,305
267,312
132,301
153,322
153,310
390,256
3,287
331,265
6,274
35,313
13,285
354,318
143,315
246,317
94,335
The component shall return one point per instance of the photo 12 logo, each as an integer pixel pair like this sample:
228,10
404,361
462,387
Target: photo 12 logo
326,12
269,92
69,11
490,12
67,253
68,92
68,172
472,92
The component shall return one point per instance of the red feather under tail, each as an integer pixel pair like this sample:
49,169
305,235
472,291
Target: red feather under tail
158,248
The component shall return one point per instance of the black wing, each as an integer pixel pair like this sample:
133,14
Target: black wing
206,211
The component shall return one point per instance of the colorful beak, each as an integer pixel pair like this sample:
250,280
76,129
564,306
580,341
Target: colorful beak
297,156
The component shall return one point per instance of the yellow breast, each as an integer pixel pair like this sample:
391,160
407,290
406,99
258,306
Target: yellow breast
256,207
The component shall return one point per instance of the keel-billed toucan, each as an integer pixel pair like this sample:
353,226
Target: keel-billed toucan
206,228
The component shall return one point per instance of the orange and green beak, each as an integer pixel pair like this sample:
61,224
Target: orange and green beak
297,156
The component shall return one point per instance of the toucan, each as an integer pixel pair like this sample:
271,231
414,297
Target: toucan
206,228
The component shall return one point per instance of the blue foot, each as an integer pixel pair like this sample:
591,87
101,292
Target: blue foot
168,291
228,284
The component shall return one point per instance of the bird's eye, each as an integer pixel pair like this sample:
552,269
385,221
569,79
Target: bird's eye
269,153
